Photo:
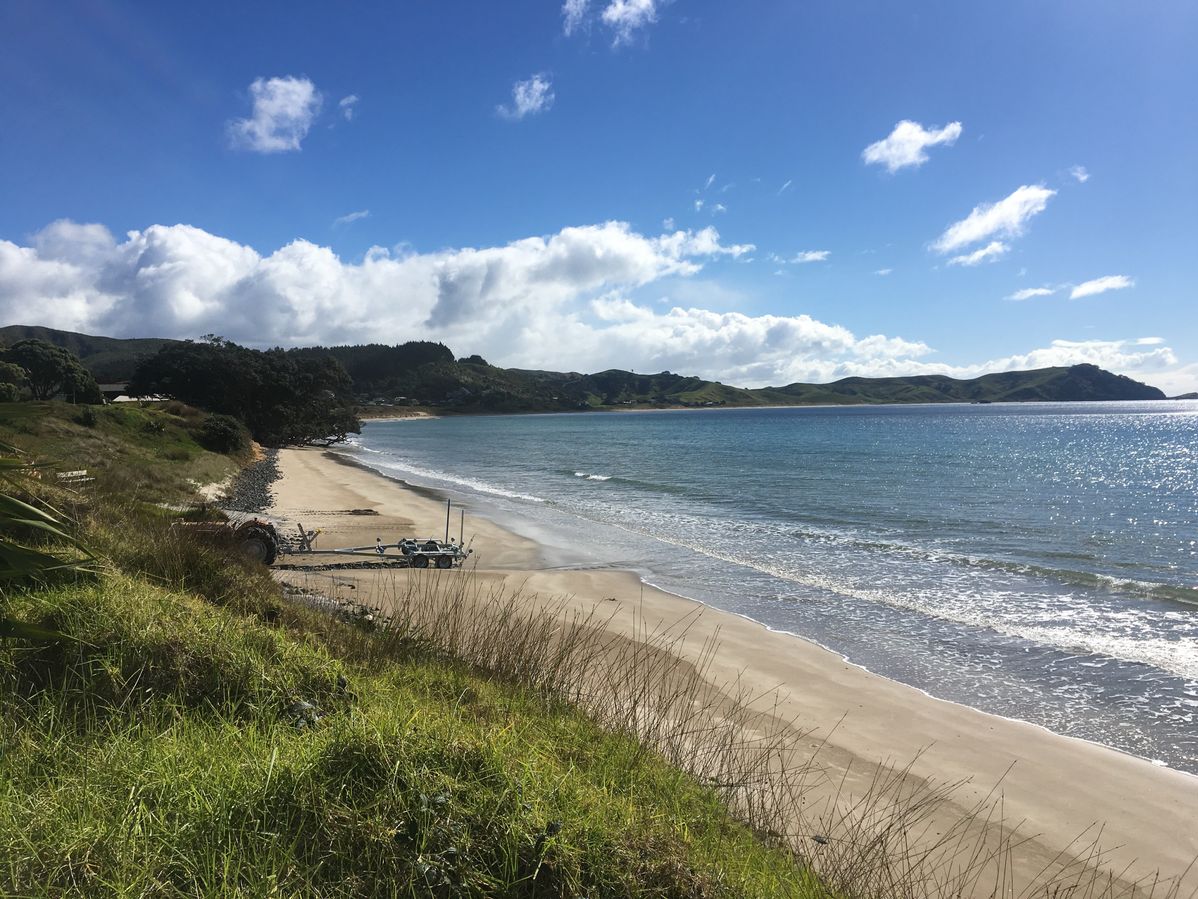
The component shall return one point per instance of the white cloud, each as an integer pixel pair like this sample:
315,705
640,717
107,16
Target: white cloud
786,186
567,300
283,112
351,217
906,145
1030,292
883,271
710,179
988,253
626,17
574,13
667,224
698,205
718,208
805,256
528,98
1006,218
347,105
1101,285
1080,174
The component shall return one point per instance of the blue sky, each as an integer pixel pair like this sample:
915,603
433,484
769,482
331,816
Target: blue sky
631,183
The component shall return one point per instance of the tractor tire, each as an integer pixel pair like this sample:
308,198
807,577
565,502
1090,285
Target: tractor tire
444,562
258,544
420,561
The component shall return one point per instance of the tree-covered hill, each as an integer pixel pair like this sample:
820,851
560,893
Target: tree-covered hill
426,373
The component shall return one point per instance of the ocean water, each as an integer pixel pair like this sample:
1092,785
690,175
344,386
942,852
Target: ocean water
1037,561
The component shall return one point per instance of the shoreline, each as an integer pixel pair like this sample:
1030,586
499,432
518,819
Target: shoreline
1058,787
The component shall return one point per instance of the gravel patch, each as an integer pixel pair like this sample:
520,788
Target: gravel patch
251,490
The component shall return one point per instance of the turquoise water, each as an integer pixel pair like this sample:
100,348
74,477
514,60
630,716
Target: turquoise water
1036,561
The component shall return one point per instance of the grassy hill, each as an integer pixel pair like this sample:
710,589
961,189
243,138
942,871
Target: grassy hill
424,373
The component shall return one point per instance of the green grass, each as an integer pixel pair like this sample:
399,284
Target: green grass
195,734
149,452
162,755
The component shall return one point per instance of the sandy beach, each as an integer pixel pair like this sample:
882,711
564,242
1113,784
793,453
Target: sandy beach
1057,793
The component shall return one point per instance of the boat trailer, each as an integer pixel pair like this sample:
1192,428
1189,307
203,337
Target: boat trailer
409,552
261,540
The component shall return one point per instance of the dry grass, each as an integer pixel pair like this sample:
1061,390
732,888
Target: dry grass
882,833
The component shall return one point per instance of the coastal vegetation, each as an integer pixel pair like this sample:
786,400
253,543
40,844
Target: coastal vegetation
422,373
283,397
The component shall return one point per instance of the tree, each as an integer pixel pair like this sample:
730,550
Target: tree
282,396
12,379
51,371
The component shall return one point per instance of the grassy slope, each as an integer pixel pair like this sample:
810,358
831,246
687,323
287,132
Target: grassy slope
148,450
162,754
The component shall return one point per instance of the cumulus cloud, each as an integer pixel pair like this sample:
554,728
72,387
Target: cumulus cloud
528,98
567,300
350,217
347,104
282,114
806,256
1080,174
988,253
907,144
1101,285
1006,218
1031,292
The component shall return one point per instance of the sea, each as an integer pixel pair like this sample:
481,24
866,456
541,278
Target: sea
1036,561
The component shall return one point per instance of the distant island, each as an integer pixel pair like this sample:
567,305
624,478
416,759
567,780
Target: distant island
422,373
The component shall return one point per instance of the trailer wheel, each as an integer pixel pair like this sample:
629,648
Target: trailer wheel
420,561
431,546
444,562
258,544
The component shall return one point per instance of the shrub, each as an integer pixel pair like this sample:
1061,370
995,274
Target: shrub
223,434
87,417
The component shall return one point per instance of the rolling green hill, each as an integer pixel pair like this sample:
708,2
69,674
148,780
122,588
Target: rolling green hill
424,373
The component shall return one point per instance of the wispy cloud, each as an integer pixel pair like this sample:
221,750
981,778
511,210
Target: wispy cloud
574,13
988,253
698,205
708,183
1029,293
717,208
529,97
351,217
785,187
1101,285
1080,174
802,257
627,17
667,224
883,271
282,114
347,105
906,145
1006,218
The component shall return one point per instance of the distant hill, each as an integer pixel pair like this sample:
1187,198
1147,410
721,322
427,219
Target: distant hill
109,359
425,373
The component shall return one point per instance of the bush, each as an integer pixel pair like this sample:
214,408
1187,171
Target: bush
223,434
87,417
